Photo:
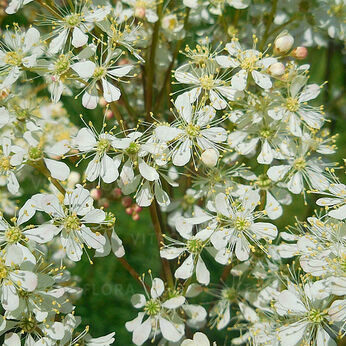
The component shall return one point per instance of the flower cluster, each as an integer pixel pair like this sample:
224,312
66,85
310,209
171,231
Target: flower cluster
199,113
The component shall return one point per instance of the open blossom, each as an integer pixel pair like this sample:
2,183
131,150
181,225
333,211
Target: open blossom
192,131
18,49
102,166
157,316
308,315
104,73
192,249
11,157
249,61
207,84
74,219
335,201
294,108
75,24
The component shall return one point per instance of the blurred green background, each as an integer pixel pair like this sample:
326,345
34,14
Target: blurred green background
105,304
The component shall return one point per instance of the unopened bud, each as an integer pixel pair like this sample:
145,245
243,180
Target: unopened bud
129,210
277,69
102,102
95,194
126,201
299,53
135,217
209,157
137,208
140,12
283,43
116,193
109,114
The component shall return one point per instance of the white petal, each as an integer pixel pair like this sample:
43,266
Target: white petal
147,171
157,288
79,38
58,170
262,80
90,101
183,154
202,273
168,330
239,80
84,69
277,173
186,269
242,249
110,92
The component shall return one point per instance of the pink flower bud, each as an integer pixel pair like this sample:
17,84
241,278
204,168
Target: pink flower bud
209,157
137,208
104,203
95,194
126,201
135,217
129,210
102,102
299,53
140,12
277,69
117,193
109,114
283,43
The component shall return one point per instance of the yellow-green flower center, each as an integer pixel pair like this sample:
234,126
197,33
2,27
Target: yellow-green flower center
73,19
13,58
299,164
72,223
207,82
266,132
5,164
152,307
3,271
35,153
194,246
28,325
192,130
263,182
102,146
315,316
62,65
249,63
242,224
99,72
337,11
230,294
292,104
133,148
13,235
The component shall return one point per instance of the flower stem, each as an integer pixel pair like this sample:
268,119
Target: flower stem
158,232
268,24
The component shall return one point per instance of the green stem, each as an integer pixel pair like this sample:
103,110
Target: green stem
150,65
158,232
269,23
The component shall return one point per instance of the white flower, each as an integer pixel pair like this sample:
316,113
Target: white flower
72,219
236,228
94,73
192,130
335,200
98,146
206,83
294,109
308,315
15,5
193,263
157,316
199,339
77,23
19,49
249,61
299,169
144,9
11,158
14,277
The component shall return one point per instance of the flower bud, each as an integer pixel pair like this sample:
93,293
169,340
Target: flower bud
137,208
135,217
95,194
277,69
104,203
140,12
209,157
126,201
299,53
109,114
283,43
116,193
102,102
129,211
